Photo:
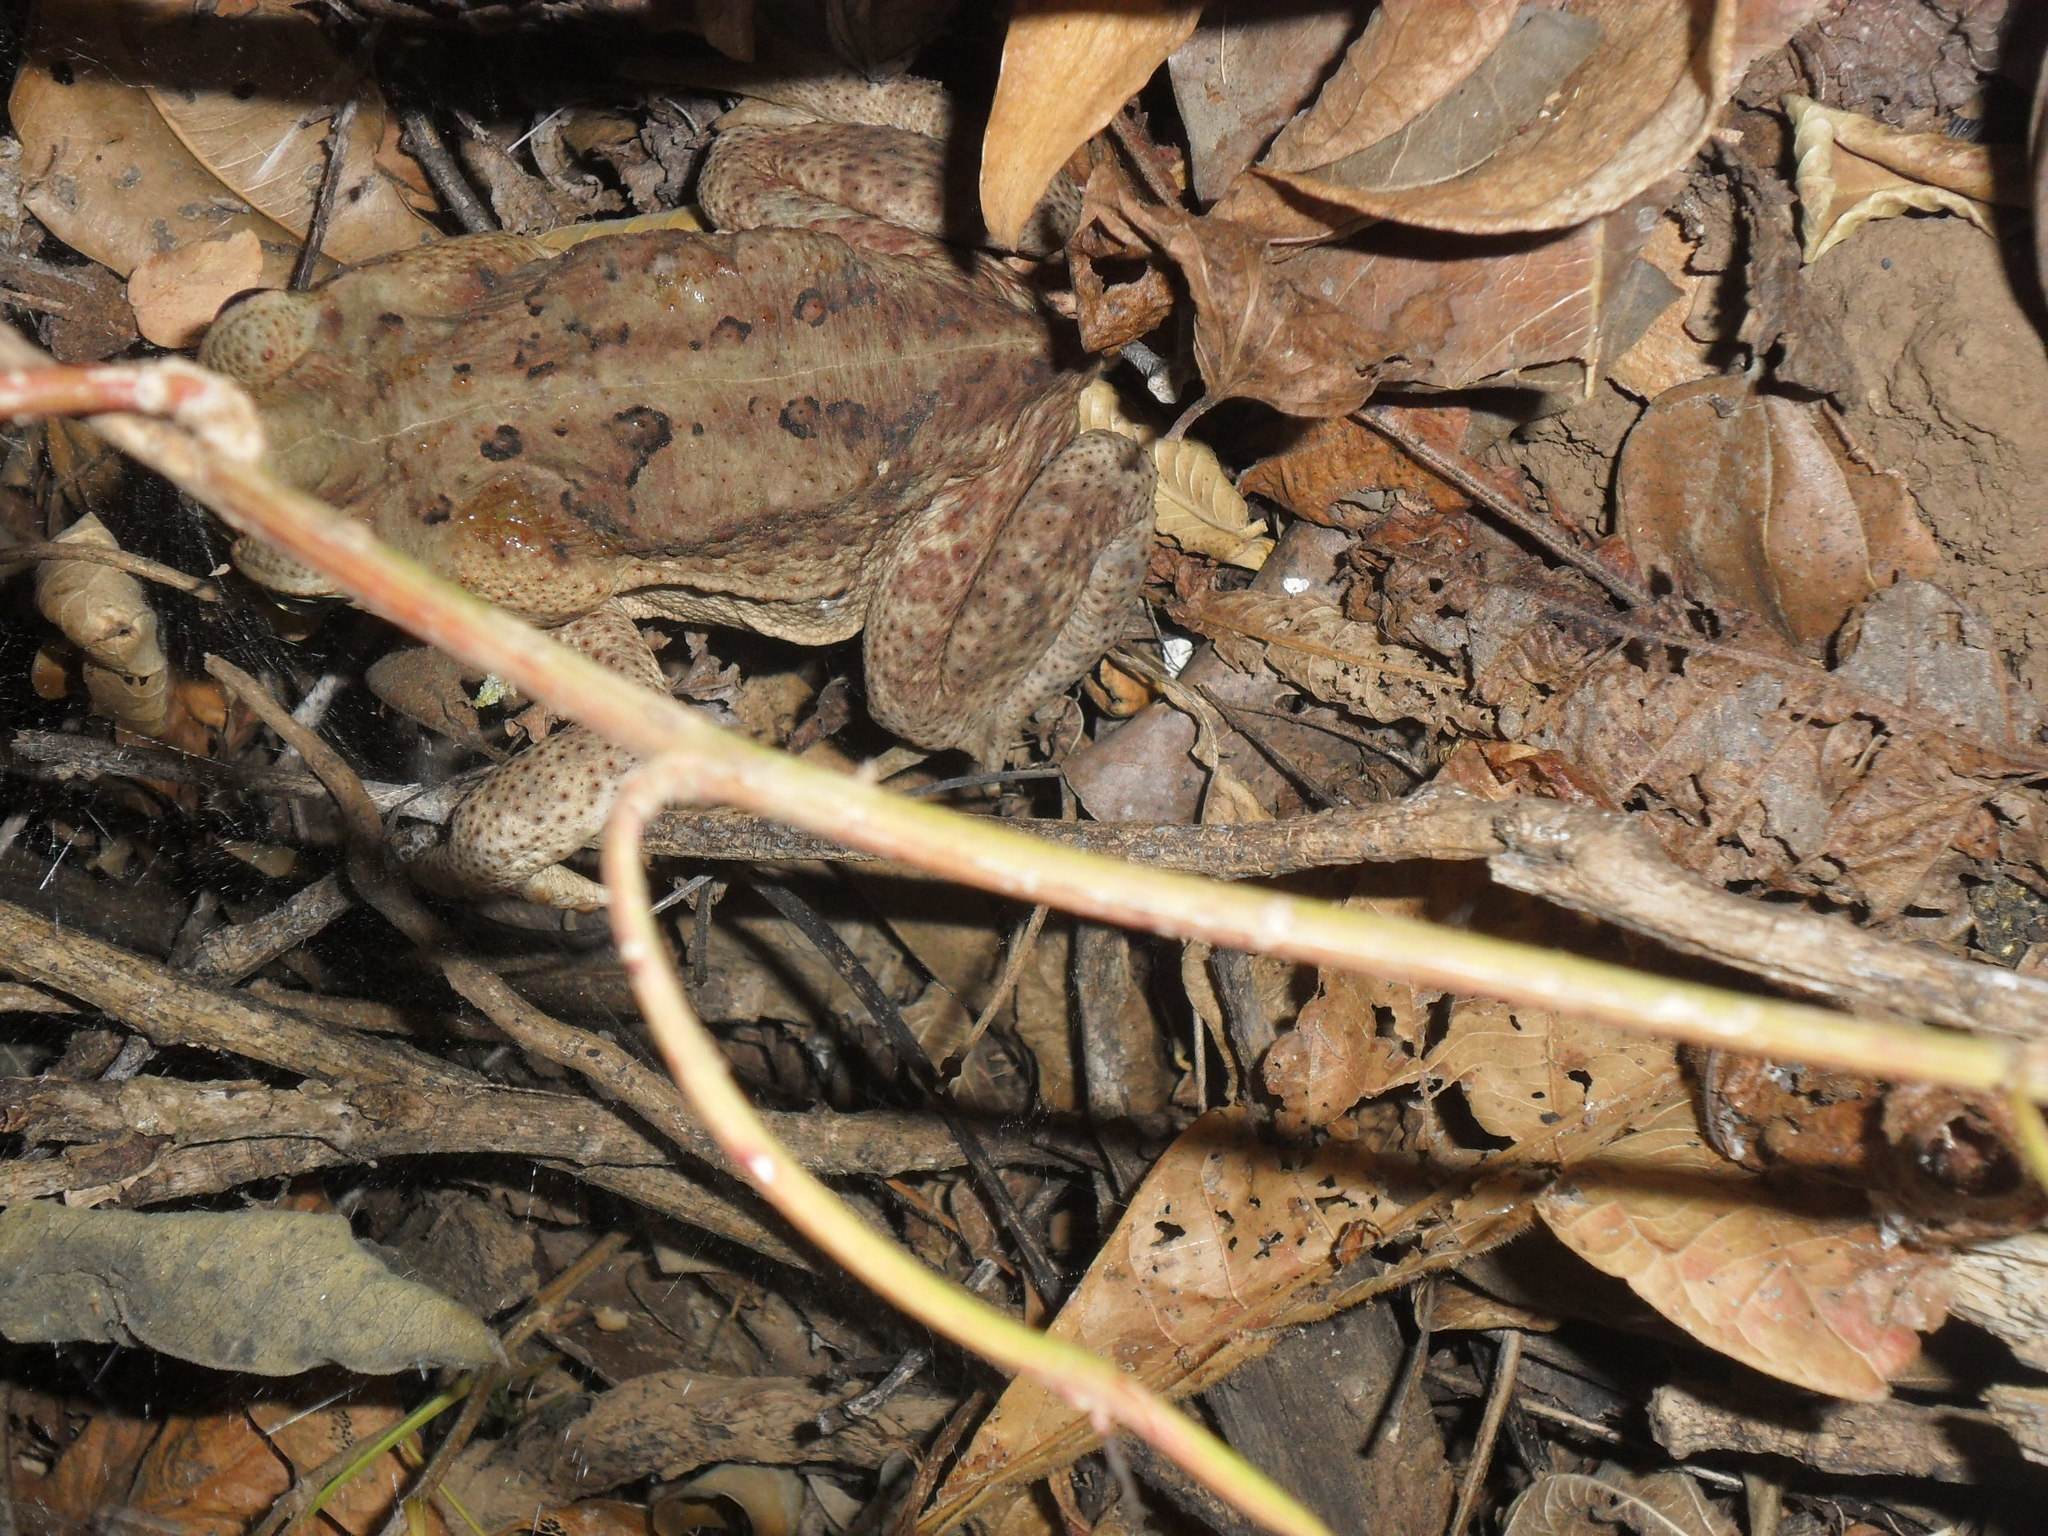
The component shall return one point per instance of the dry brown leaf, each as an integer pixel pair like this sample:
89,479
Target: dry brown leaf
1242,76
1336,458
1335,659
176,294
1852,169
1582,1504
1312,331
1358,1037
1570,114
1221,1229
1668,353
1524,1071
1411,55
1749,501
1813,1298
127,154
215,1474
100,167
270,148
1459,1306
1067,71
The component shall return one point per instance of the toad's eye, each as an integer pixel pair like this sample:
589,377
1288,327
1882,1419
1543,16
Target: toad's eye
260,335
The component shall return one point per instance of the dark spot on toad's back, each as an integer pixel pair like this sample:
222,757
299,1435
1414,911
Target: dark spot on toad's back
696,429
391,321
811,307
799,418
503,444
439,512
643,432
541,370
732,327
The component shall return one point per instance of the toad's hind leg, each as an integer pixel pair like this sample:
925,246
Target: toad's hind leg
515,828
988,611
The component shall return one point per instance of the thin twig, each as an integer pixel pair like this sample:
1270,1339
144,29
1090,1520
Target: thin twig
910,1054
426,145
1501,500
338,130
14,555
1507,1365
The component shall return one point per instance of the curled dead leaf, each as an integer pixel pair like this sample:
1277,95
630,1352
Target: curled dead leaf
1558,116
106,613
1067,71
1201,511
1852,169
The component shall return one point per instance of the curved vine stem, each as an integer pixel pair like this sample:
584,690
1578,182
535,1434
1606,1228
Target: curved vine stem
1091,1384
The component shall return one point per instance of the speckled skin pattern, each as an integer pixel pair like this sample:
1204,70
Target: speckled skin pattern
816,421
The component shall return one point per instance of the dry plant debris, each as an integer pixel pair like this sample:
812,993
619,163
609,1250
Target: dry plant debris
1586,446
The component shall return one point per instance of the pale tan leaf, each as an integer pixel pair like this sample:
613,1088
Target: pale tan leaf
1818,1300
1572,113
1582,1504
177,294
1752,502
1067,70
106,613
1337,1053
1335,659
101,169
1525,1070
1101,409
1850,170
1201,511
1222,1229
269,147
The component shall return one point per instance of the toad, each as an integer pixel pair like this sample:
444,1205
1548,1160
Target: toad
818,421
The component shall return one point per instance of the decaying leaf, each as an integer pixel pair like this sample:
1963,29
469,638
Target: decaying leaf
1066,72
1852,169
1331,657
1813,1298
1595,1504
272,1292
177,293
1336,458
1753,502
669,1423
137,137
1524,1071
1222,1230
106,613
1562,115
1358,1037
215,1474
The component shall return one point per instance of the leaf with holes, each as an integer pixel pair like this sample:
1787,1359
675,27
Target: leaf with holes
1222,1232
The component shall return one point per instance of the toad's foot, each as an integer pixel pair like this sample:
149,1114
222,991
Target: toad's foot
510,835
990,608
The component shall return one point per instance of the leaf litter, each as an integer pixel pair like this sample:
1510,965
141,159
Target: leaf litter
1555,245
